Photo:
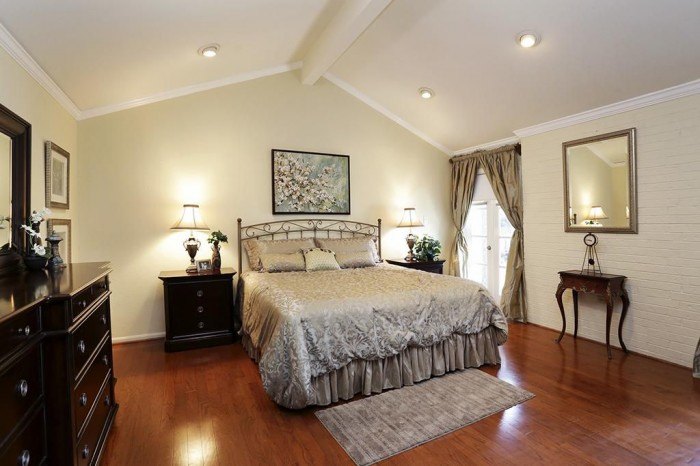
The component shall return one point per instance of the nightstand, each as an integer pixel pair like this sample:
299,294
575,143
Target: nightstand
425,266
198,308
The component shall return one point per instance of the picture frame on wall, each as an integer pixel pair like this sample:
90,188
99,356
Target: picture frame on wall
310,183
57,167
62,227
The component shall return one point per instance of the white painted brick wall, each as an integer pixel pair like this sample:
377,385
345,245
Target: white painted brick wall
662,262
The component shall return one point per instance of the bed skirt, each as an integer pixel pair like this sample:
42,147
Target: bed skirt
412,365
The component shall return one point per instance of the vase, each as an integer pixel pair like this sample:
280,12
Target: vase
215,256
34,262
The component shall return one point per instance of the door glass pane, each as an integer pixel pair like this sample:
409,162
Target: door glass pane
505,233
476,233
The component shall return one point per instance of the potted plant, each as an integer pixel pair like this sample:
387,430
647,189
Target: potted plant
37,256
214,239
427,248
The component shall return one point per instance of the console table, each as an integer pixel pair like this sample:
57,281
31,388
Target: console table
602,284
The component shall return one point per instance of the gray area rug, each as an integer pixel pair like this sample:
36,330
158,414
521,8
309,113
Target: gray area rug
380,426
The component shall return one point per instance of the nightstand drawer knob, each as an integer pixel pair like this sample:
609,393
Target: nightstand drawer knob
200,325
200,293
81,346
23,388
24,458
200,309
83,399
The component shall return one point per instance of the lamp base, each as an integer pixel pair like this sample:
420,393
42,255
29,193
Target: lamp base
192,246
192,268
411,242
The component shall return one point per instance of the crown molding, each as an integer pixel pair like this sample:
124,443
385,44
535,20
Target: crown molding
488,145
646,100
22,57
187,90
384,111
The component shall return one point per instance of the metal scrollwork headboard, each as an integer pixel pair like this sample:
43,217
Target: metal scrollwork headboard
307,228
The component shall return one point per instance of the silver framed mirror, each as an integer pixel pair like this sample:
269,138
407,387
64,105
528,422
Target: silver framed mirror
600,183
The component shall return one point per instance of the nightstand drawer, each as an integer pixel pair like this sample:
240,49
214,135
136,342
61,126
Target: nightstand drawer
199,324
88,336
20,387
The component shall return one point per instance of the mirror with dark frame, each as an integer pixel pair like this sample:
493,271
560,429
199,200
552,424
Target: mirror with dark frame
15,156
600,183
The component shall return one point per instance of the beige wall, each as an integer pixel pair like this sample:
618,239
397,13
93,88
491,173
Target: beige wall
213,148
662,262
50,122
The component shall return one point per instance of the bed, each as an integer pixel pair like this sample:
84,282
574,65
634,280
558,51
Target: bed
320,337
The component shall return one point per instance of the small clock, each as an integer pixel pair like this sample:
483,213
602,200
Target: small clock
590,240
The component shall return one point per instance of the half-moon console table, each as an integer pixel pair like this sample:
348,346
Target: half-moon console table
602,284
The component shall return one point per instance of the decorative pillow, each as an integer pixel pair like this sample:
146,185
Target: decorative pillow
343,245
320,259
255,248
272,262
354,260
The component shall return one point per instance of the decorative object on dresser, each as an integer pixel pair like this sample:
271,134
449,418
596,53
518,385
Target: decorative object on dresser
55,259
56,372
310,183
203,265
62,227
198,308
427,248
191,220
434,266
37,256
591,264
57,176
214,239
606,285
410,220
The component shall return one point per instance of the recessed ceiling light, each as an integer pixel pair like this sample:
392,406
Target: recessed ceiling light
209,51
527,39
426,92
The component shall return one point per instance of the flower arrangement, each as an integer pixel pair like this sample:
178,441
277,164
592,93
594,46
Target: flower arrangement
427,248
217,237
32,229
214,239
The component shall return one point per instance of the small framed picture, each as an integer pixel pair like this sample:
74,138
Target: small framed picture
203,265
57,176
62,227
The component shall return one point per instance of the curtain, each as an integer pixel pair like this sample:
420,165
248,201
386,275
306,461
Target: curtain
463,181
502,168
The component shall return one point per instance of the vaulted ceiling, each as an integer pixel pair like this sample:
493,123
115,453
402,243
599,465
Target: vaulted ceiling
591,54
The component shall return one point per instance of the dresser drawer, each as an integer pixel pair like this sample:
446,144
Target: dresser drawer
29,447
20,387
87,390
87,445
82,301
86,337
19,329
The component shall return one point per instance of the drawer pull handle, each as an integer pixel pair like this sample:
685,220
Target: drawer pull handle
25,331
108,401
103,319
200,325
23,388
105,360
24,458
83,399
86,451
200,293
200,309
81,346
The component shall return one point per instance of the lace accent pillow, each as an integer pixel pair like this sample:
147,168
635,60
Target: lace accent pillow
255,248
354,260
283,262
343,245
320,259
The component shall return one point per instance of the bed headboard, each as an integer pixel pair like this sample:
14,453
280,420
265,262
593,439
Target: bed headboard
307,228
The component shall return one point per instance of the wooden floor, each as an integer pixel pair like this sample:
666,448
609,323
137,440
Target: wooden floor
207,407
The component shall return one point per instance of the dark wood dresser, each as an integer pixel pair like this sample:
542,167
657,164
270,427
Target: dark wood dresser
56,380
199,308
426,266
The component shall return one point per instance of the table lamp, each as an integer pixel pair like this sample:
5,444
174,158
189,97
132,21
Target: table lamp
410,220
596,213
191,220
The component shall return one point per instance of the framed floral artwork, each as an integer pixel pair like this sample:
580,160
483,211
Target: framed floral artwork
310,183
57,176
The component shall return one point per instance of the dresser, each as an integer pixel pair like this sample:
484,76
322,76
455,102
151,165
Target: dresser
426,266
56,377
199,308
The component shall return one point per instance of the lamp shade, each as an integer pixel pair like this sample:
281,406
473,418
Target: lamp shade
191,219
410,218
596,213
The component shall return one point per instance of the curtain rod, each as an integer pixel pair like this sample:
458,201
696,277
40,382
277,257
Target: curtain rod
497,150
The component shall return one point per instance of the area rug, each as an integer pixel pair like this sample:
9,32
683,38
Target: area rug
380,426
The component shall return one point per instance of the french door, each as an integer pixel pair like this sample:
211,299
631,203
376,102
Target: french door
488,234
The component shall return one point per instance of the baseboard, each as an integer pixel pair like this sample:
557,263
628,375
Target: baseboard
135,338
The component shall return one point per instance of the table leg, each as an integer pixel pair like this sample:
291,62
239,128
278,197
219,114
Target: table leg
625,306
608,319
575,294
559,293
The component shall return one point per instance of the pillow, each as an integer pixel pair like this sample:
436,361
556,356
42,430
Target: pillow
353,260
272,262
255,247
343,245
320,259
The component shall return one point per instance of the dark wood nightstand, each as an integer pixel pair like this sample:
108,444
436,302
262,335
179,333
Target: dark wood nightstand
425,266
198,308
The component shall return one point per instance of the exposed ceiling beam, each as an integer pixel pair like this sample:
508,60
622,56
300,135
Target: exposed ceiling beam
346,26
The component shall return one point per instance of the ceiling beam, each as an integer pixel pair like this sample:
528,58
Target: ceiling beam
346,26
